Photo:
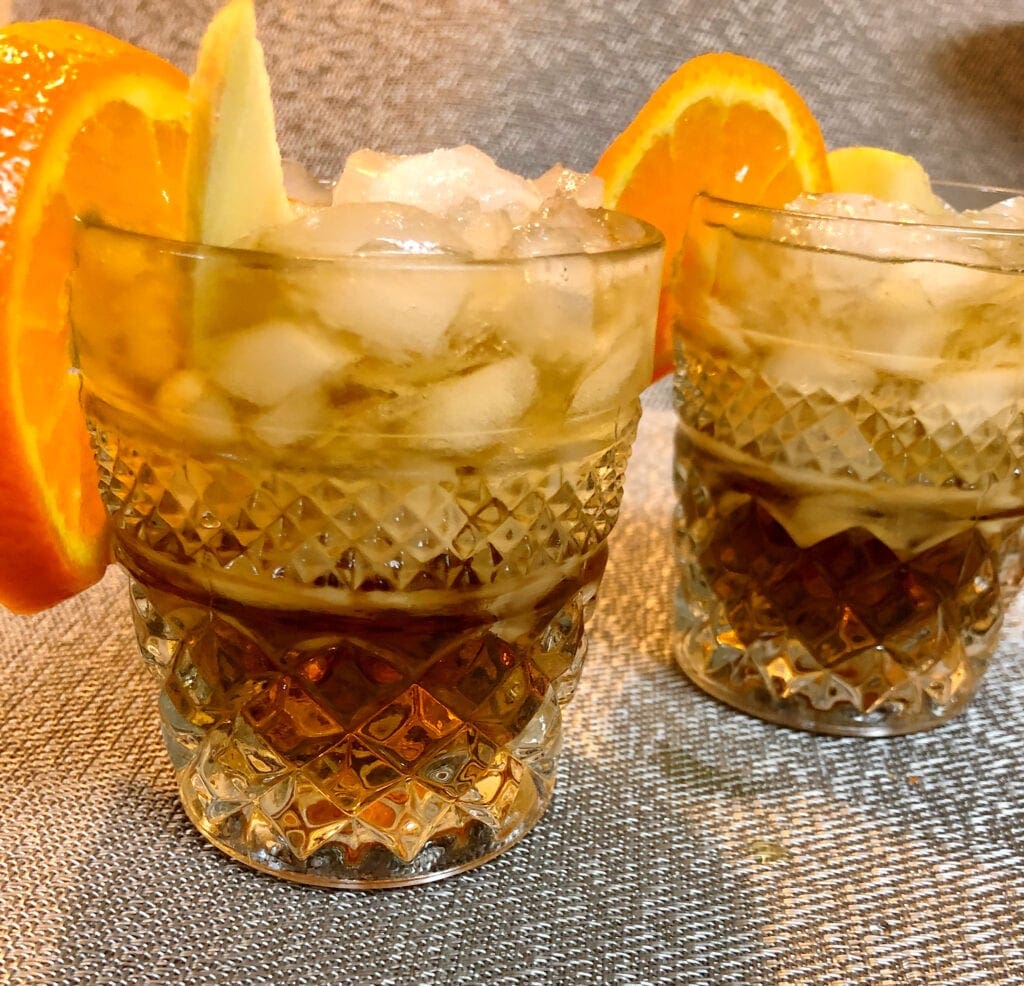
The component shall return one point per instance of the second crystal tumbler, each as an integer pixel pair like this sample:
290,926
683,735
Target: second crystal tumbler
849,461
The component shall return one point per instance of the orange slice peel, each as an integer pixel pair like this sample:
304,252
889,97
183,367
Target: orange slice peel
88,124
721,124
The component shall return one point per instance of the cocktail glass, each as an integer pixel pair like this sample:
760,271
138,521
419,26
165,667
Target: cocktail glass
364,506
849,460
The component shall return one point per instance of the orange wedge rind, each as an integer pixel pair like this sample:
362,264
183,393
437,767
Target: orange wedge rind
89,124
721,124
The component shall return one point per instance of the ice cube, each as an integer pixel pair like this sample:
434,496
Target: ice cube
905,296
538,239
605,385
628,288
1007,214
617,229
896,286
485,233
559,181
625,314
399,312
302,187
300,416
1003,251
362,170
563,227
189,402
365,227
438,182
971,397
948,287
757,286
809,369
892,316
898,231
265,364
465,412
543,307
850,205
824,221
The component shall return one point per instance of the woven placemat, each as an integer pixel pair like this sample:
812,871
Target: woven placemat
686,843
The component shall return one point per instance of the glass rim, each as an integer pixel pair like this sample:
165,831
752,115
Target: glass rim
944,228
650,241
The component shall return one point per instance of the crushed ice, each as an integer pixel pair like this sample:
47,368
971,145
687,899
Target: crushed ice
821,220
454,201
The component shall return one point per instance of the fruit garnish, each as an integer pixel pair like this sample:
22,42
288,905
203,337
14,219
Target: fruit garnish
88,124
722,124
884,174
233,170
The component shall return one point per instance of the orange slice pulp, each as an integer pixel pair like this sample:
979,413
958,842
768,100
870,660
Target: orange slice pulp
721,124
88,124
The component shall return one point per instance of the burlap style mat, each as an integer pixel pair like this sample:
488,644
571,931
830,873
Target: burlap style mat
687,843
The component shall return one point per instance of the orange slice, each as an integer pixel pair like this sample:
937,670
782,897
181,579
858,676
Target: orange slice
88,123
723,124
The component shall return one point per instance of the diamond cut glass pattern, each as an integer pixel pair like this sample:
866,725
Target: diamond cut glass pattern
849,517
342,748
365,514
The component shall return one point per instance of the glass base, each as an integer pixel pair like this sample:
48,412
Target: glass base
876,692
373,866
345,752
889,719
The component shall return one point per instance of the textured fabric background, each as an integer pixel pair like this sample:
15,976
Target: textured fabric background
533,81
687,843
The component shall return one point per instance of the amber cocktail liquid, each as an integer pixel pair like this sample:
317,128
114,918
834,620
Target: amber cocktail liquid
849,460
335,736
364,505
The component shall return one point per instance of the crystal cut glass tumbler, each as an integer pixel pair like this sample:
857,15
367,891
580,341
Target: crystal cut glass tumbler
849,460
364,506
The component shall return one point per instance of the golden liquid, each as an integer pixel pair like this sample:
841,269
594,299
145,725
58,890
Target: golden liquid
362,669
832,605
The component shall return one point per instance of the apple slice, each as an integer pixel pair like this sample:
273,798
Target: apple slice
885,175
234,179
